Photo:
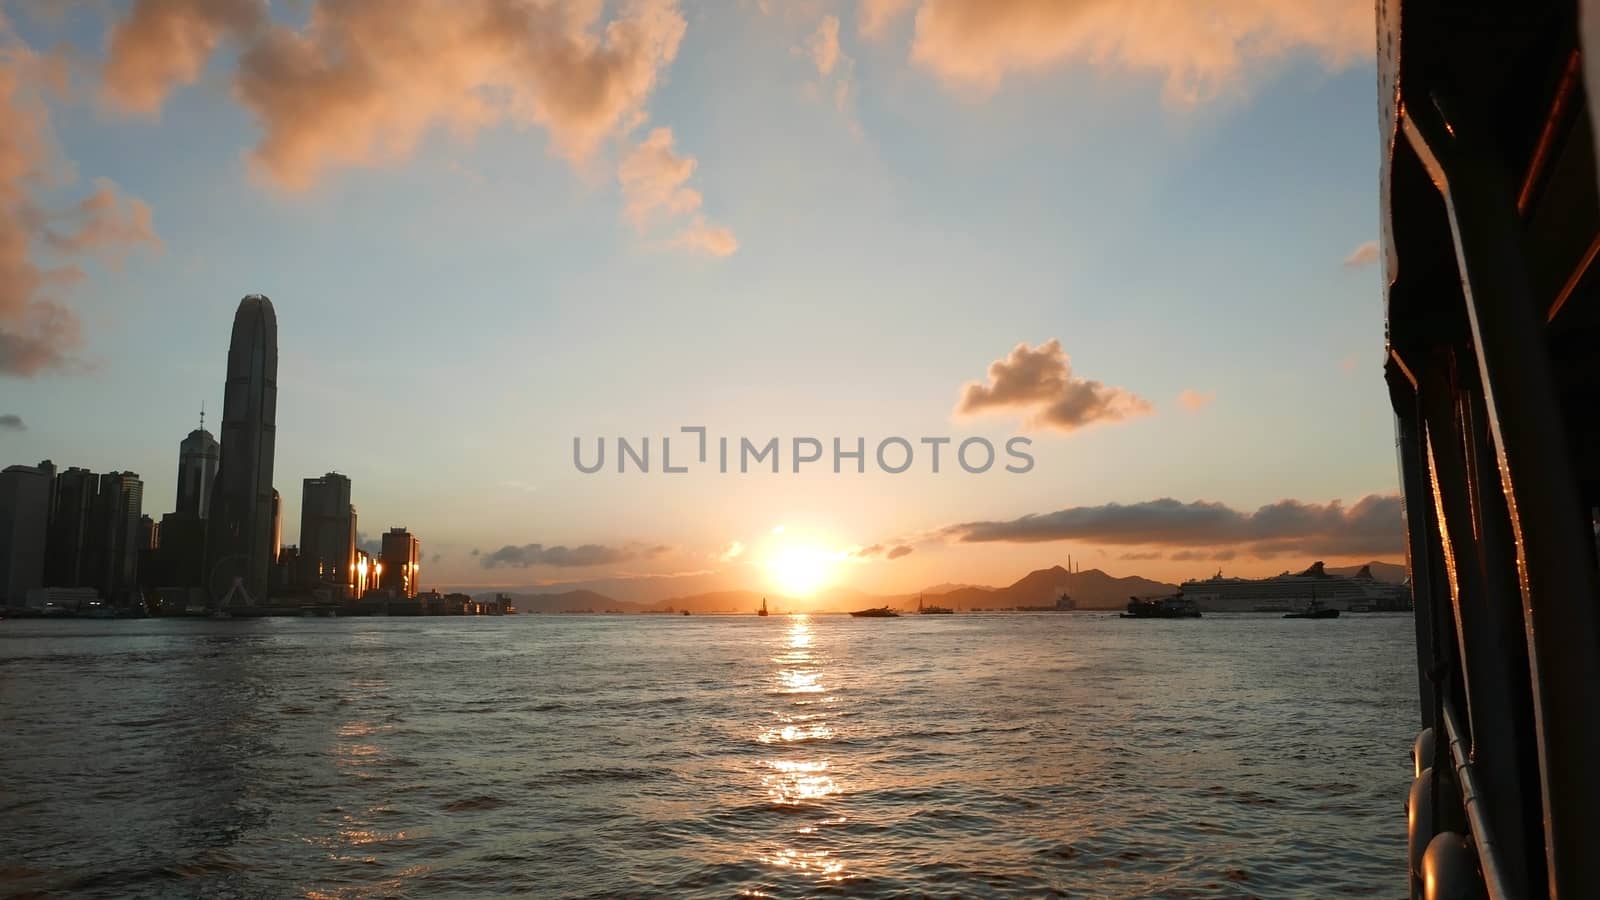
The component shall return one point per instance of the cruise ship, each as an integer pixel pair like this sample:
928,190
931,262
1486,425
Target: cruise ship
1285,593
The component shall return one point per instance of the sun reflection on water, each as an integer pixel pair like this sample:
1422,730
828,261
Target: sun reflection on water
803,781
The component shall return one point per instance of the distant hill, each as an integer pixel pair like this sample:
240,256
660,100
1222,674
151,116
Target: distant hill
722,602
1393,573
948,586
567,601
1093,589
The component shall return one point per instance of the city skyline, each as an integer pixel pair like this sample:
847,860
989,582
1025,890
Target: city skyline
498,289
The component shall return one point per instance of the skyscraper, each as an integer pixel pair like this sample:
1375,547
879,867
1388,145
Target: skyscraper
401,551
198,455
71,516
111,541
239,530
24,512
328,533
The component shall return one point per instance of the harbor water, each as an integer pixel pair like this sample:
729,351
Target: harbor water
602,756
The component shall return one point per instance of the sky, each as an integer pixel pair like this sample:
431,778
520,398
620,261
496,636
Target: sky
1136,234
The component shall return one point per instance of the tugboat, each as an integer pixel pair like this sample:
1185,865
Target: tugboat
1314,610
932,610
880,612
763,610
1174,607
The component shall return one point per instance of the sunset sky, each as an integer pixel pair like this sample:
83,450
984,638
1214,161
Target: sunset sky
1137,233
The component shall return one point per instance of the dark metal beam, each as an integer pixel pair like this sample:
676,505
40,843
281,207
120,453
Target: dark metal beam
1557,580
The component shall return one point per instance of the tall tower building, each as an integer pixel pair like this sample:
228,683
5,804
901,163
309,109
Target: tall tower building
112,539
71,516
327,533
239,528
198,456
401,554
24,513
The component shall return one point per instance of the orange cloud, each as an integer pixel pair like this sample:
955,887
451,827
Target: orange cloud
1039,383
654,189
1363,255
38,246
835,70
364,81
1194,401
163,44
653,178
361,82
876,15
825,45
706,238
1199,47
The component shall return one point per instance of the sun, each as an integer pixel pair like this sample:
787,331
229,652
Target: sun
800,571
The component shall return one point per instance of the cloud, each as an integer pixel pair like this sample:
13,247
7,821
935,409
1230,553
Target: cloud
1194,401
1372,525
655,191
362,81
39,246
653,180
705,238
1200,48
1364,255
163,44
835,71
733,551
824,45
876,550
1203,555
1142,555
1039,383
527,555
12,422
875,16
105,223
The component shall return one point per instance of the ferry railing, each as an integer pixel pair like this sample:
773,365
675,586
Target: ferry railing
1555,575
1490,855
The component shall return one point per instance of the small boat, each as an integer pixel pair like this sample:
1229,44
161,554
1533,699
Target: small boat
1314,610
932,610
686,612
881,612
763,610
1174,607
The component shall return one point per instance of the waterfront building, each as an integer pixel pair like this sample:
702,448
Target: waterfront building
113,538
328,534
402,554
24,520
239,526
71,512
180,558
